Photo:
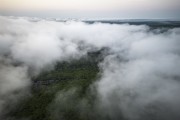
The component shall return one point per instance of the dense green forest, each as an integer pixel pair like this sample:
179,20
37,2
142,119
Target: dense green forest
76,76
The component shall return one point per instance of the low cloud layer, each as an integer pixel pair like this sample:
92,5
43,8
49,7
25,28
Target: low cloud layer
139,78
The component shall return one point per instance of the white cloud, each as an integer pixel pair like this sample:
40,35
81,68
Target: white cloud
141,73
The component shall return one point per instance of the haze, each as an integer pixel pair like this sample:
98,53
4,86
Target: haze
133,9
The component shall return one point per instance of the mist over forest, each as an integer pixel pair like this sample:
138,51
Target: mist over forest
84,70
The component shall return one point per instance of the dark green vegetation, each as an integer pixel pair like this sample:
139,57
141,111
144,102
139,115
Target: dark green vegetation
72,78
156,24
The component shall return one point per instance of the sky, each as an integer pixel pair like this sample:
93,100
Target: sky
137,9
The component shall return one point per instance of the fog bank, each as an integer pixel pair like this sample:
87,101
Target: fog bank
140,77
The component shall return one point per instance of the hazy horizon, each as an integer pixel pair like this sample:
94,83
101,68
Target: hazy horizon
79,9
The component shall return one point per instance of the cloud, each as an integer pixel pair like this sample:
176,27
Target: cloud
139,78
14,84
144,82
